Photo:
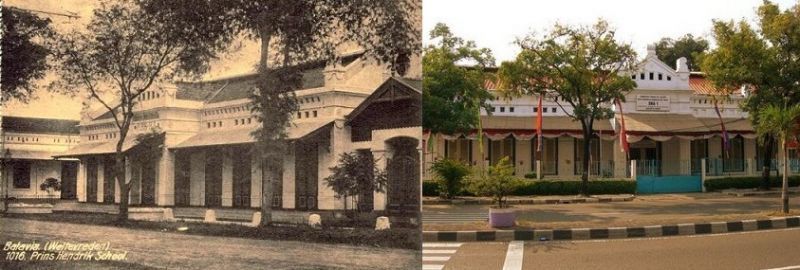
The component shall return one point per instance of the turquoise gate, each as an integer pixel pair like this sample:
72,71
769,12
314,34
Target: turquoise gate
653,177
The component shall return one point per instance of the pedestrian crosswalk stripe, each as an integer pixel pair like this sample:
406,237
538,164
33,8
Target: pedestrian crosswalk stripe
439,251
432,267
440,245
514,256
436,258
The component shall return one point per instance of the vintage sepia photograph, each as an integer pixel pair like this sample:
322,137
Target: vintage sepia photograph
211,134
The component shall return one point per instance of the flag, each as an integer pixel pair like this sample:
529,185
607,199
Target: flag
539,125
725,141
623,134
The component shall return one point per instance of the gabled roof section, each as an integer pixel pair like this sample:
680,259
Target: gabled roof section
39,125
393,89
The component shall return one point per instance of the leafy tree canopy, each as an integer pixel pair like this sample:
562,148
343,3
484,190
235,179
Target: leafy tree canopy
452,93
691,47
25,51
580,65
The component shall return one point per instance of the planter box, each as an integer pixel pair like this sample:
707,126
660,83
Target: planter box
502,217
24,208
146,213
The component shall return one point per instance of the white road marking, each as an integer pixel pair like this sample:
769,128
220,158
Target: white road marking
438,254
514,256
441,245
785,268
438,251
436,258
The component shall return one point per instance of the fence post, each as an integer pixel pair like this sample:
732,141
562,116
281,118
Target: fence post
538,170
633,170
703,174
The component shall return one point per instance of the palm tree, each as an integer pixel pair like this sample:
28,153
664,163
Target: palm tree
781,122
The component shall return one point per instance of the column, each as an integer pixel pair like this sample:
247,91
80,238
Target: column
165,179
197,178
227,179
379,198
620,160
101,179
80,185
328,157
255,180
288,187
685,156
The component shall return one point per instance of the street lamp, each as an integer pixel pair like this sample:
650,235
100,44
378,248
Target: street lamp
4,160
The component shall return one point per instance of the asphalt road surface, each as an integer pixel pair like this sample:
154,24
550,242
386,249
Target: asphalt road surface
161,250
774,249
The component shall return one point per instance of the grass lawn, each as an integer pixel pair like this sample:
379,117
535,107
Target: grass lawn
405,238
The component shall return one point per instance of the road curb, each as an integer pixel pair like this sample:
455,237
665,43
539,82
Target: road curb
612,232
530,201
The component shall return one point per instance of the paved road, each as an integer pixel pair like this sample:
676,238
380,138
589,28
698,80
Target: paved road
645,210
751,250
149,249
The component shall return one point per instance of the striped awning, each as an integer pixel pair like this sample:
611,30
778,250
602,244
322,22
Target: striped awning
219,137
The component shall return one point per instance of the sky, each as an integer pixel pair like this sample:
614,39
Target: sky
238,60
496,24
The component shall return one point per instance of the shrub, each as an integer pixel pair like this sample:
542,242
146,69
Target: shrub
449,173
530,175
430,188
746,182
498,182
555,187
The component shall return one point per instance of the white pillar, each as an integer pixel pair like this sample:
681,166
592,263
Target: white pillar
703,173
379,198
227,179
633,170
538,170
620,160
255,181
288,186
101,179
197,178
80,185
165,179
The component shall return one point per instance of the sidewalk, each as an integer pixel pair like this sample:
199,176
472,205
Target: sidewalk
643,211
519,200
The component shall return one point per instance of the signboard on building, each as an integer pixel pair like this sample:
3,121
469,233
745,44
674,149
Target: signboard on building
652,103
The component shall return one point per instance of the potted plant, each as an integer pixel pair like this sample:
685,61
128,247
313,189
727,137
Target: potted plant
497,182
50,185
449,174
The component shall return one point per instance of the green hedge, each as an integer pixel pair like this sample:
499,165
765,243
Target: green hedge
746,182
549,187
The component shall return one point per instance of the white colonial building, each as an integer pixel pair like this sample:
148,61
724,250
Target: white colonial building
670,120
209,158
27,146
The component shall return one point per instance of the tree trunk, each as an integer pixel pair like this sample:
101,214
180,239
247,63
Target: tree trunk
119,173
785,187
766,158
267,172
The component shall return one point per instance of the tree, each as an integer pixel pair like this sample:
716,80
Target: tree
123,53
581,66
691,47
498,182
452,93
765,61
449,173
24,52
781,122
356,174
291,33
